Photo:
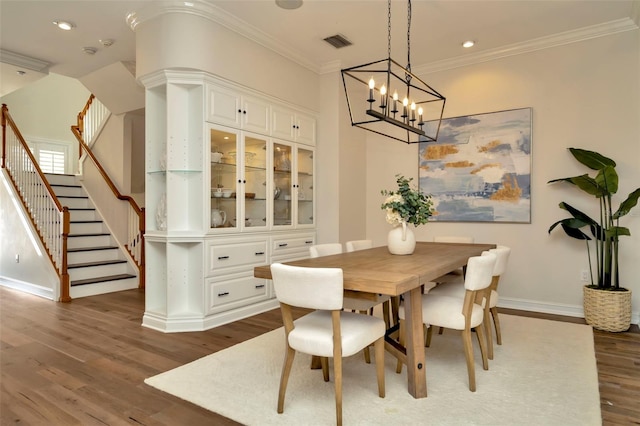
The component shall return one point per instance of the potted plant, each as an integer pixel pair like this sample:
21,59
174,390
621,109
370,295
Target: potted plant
406,205
607,305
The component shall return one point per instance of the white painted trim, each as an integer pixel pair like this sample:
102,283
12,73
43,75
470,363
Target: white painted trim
192,322
26,287
551,308
36,142
22,61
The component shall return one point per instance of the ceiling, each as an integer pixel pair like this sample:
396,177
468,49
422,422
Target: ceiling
30,42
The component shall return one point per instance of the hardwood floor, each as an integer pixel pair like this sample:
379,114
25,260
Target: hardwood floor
84,362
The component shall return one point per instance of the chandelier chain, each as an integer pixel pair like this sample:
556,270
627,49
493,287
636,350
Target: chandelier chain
408,38
389,29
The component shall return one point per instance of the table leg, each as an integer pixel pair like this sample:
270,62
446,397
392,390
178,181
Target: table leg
414,342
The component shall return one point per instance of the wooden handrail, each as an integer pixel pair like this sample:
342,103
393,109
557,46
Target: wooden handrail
78,131
61,269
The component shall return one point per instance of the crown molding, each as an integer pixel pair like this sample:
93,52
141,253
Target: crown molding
25,62
560,39
221,17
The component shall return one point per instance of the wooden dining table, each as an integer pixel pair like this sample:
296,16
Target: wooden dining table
376,271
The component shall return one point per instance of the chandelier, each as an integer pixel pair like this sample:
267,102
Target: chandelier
388,99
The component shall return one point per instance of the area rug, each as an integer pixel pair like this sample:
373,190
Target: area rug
544,373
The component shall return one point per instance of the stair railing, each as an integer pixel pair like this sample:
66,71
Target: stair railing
48,217
89,122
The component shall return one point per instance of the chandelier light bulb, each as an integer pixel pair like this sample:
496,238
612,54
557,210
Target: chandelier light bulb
64,25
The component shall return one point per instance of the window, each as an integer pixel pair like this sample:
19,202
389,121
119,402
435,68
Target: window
51,161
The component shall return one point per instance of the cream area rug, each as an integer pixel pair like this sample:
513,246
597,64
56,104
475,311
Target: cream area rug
544,373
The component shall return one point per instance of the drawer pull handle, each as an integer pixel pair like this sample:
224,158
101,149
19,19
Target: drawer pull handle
260,286
259,253
308,242
283,244
223,257
226,293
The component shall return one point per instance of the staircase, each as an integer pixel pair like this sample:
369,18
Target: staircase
96,264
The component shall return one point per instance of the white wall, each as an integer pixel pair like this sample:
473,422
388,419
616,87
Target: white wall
585,95
47,108
33,272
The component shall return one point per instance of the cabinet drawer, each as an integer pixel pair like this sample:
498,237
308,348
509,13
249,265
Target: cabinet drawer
232,293
292,243
237,254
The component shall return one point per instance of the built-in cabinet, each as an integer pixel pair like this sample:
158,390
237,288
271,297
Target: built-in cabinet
230,185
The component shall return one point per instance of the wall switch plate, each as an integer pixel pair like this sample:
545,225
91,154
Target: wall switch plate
17,258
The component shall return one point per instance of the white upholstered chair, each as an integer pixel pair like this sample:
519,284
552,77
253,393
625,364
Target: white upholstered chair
354,304
491,310
327,332
462,314
458,274
354,245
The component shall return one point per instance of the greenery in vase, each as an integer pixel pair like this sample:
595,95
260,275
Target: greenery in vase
606,230
407,204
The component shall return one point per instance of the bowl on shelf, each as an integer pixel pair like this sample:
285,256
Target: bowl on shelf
250,195
216,192
226,192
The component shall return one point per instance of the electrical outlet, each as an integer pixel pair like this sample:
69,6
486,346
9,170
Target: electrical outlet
17,258
584,276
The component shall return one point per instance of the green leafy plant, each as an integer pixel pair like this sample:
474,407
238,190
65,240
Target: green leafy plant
605,231
407,204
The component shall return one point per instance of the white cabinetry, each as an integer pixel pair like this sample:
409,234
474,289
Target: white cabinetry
292,125
201,246
230,107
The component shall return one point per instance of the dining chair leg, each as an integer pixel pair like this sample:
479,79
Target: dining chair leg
468,353
378,348
337,374
487,329
427,340
324,362
496,323
367,356
441,330
284,378
401,333
385,314
482,341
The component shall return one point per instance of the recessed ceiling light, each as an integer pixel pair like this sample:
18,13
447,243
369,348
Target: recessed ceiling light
21,72
469,43
289,4
89,50
64,25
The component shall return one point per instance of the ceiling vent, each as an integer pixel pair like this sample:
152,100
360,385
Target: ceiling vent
338,41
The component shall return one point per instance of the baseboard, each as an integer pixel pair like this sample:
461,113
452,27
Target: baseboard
26,287
551,308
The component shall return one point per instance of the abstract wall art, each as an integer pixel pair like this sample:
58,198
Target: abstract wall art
479,170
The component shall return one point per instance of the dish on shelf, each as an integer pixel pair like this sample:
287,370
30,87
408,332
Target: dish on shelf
216,157
250,195
248,157
216,194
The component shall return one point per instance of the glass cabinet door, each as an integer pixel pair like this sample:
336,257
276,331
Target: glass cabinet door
224,176
254,182
304,186
282,185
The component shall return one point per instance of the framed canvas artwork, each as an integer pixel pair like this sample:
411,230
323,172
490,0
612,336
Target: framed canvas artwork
479,170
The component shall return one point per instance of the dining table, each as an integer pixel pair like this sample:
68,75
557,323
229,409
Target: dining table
367,273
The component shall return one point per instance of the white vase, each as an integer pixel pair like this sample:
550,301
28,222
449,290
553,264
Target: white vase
401,240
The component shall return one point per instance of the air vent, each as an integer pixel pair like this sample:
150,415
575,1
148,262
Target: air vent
338,41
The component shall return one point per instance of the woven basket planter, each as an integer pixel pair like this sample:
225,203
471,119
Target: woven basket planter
607,310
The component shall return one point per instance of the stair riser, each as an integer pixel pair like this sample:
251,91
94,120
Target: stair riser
87,228
93,256
77,203
61,179
93,241
79,215
102,288
98,271
69,191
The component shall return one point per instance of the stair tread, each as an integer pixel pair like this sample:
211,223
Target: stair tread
100,234
81,249
97,263
81,208
102,279
65,186
74,196
85,221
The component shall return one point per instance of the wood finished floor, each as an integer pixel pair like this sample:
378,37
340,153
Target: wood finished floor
83,363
